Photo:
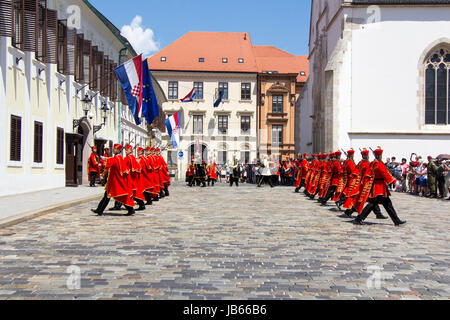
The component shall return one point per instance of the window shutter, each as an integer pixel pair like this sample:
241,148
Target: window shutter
114,83
29,25
41,52
15,139
72,42
110,78
60,146
105,77
79,66
52,37
38,137
62,47
93,69
86,61
6,18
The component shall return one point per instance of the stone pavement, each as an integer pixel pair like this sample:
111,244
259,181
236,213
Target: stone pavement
228,243
16,205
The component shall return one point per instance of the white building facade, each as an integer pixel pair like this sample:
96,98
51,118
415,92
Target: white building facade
221,133
379,77
47,124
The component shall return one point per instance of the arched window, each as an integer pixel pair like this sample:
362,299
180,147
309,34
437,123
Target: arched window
437,87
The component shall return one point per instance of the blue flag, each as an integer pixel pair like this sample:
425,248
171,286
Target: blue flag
219,101
150,108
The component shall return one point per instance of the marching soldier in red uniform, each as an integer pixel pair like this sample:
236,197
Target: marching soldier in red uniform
347,171
117,186
326,178
320,173
336,176
302,173
310,174
150,192
165,177
355,187
375,190
93,166
146,184
156,176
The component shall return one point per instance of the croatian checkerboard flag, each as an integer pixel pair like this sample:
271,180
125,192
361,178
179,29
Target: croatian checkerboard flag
130,77
173,128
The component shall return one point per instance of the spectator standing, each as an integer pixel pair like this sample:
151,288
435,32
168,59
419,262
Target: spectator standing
405,169
432,177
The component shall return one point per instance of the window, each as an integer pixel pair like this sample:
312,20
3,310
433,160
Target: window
38,139
222,157
173,89
163,59
303,73
277,135
172,158
16,138
59,146
246,91
240,60
224,60
223,124
224,87
277,104
198,124
201,59
437,88
245,125
198,86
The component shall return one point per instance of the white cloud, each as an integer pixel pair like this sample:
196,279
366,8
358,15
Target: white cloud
143,41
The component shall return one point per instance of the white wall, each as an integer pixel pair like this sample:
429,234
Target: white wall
385,67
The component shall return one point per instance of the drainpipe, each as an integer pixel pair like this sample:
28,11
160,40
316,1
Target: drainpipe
121,55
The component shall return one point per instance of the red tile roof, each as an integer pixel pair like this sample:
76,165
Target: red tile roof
184,55
269,59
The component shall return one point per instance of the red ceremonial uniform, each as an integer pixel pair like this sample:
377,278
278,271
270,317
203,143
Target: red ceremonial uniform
212,172
164,171
355,184
93,165
117,186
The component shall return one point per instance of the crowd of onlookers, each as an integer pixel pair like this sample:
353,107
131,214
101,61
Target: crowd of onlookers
425,178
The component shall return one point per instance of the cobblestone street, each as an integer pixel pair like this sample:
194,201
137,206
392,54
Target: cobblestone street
228,243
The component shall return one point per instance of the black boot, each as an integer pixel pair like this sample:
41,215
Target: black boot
377,211
348,213
166,192
387,203
297,190
131,211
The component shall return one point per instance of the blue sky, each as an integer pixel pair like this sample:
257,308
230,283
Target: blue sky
282,23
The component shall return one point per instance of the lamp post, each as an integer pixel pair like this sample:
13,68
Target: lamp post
86,101
104,113
86,104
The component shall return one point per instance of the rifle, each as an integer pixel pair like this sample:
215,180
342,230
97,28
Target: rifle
344,152
373,152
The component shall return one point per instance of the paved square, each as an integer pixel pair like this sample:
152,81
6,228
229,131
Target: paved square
228,243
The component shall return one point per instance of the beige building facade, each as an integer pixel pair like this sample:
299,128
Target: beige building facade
58,92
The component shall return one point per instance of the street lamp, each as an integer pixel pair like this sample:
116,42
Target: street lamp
104,112
86,104
104,109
